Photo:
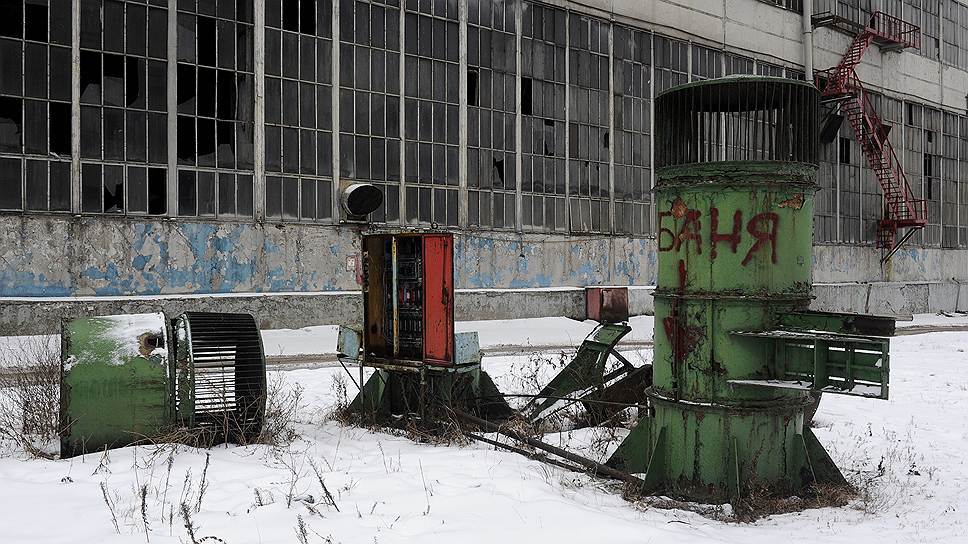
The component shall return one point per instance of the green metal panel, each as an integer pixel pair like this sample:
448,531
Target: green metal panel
115,386
823,362
586,370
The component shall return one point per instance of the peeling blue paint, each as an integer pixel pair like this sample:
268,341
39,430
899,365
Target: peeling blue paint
149,258
28,284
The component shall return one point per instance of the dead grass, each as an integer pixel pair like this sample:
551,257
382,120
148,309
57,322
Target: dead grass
760,502
30,395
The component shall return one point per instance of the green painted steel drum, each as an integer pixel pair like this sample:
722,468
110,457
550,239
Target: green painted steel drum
734,201
115,386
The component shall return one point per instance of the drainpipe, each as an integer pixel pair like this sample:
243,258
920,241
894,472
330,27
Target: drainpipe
808,40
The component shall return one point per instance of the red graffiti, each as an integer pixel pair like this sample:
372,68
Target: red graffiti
663,230
762,236
714,235
682,336
691,230
682,275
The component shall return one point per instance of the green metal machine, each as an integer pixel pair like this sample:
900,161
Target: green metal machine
737,353
127,379
115,381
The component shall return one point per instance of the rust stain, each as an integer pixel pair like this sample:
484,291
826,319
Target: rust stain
683,336
679,209
794,202
148,342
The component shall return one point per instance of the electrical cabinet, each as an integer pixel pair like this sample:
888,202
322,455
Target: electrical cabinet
408,298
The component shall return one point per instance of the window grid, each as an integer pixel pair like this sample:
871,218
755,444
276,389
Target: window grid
792,5
431,112
851,176
963,182
298,110
631,58
124,118
931,171
913,153
370,99
492,105
543,53
949,180
931,29
35,112
589,139
124,89
671,63
215,125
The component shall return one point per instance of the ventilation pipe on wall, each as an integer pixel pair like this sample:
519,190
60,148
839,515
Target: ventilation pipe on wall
360,199
808,40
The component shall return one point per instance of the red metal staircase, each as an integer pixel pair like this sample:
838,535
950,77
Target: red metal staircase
840,84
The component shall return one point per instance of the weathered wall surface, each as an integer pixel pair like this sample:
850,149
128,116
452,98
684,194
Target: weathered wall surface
80,256
837,263
76,256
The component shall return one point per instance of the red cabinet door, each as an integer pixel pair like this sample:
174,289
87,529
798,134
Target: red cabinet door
438,302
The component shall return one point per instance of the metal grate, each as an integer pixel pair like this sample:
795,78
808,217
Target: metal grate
220,382
739,118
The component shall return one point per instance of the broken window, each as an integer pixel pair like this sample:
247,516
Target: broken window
113,199
216,106
35,73
11,124
123,72
543,47
492,64
11,183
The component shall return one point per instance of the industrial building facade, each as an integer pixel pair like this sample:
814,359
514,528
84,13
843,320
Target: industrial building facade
199,146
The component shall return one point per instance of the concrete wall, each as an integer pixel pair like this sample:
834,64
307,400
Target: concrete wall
82,256
70,256
299,275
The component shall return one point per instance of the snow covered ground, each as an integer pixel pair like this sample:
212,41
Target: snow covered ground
909,453
545,331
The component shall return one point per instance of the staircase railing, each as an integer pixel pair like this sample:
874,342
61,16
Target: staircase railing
891,28
900,198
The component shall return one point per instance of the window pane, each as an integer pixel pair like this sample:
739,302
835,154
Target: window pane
186,193
60,186
91,188
157,191
36,183
137,190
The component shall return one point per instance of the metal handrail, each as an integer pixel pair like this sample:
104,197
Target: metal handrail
895,29
887,152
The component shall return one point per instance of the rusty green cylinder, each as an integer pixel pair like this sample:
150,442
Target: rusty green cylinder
115,387
734,202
